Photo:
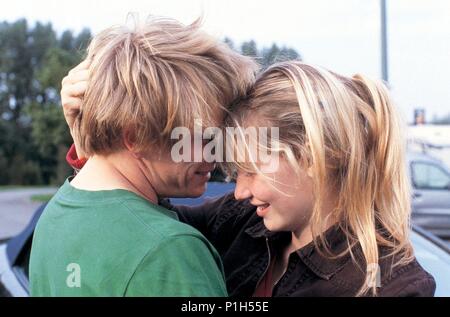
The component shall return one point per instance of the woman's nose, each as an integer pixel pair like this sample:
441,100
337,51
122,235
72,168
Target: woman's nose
242,190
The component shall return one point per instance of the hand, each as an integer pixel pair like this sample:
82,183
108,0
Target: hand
73,88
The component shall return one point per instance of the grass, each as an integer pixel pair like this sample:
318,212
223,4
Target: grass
5,187
41,198
9,187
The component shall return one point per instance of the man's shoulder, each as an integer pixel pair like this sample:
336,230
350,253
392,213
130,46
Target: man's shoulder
120,242
160,221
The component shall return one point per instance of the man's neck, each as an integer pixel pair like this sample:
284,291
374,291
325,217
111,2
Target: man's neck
115,171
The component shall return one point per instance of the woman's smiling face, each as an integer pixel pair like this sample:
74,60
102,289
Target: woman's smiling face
284,197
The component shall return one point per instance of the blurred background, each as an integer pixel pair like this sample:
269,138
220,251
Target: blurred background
406,43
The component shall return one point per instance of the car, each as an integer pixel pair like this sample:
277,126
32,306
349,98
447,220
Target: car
430,179
432,253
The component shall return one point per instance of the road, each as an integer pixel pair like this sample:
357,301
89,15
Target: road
16,209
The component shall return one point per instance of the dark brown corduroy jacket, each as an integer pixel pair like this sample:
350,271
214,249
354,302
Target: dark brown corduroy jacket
246,248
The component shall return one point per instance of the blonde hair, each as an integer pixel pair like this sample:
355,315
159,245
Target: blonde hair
152,77
348,132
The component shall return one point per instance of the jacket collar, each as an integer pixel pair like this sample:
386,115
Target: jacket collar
321,263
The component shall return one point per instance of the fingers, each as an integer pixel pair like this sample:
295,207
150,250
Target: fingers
74,86
72,105
71,108
82,75
76,89
72,101
84,65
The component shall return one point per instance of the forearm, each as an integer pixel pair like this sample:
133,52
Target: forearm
206,217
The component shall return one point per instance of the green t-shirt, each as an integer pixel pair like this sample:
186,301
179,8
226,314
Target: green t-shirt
115,243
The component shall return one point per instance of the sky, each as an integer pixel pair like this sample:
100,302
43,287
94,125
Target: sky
341,35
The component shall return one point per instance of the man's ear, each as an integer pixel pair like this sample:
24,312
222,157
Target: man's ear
129,141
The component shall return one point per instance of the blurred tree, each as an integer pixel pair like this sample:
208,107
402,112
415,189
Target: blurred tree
289,54
15,68
81,42
50,134
56,65
5,150
229,42
269,55
67,41
33,133
249,48
40,39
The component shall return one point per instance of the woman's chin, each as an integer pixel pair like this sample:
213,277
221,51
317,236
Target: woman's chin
273,226
269,225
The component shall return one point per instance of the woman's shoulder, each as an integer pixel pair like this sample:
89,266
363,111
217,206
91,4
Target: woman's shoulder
395,277
405,280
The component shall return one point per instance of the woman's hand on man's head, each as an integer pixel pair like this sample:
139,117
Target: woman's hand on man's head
73,88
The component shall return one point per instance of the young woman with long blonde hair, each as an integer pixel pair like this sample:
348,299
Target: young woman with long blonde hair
341,187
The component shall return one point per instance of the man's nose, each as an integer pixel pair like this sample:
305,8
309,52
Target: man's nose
242,190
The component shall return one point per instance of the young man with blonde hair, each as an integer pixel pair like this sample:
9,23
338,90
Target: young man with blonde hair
103,233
